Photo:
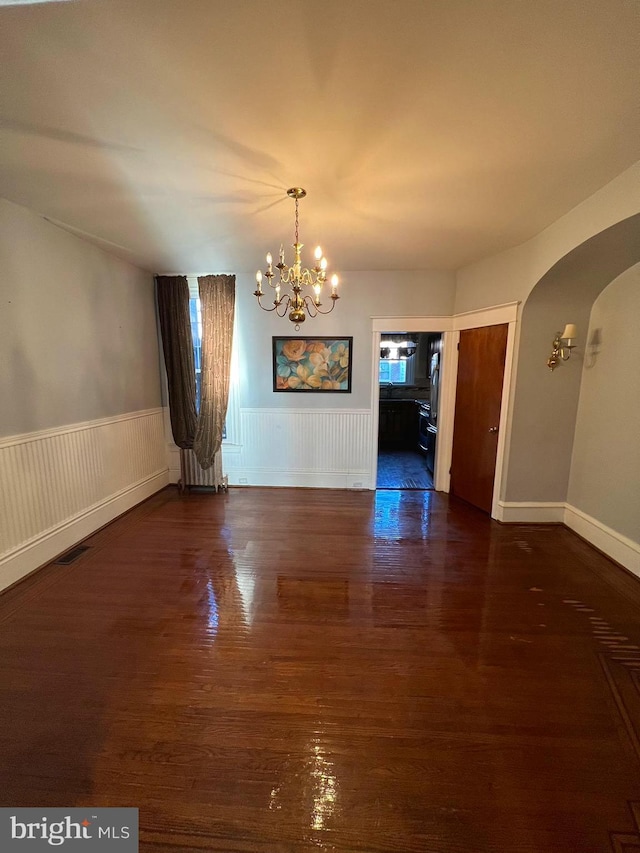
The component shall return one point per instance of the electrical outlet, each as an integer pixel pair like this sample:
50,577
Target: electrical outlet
243,481
357,485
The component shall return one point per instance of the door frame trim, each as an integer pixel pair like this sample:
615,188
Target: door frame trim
451,326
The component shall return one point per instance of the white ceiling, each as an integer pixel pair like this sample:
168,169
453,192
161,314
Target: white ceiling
428,133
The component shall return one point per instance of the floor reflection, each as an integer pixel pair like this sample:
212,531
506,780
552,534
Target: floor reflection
309,788
246,581
212,605
325,788
399,514
226,599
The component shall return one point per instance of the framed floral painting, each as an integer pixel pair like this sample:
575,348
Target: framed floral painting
312,364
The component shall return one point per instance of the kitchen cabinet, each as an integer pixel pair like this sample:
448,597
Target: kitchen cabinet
398,424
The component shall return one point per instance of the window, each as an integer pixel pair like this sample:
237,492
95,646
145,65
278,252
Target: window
393,370
196,333
397,365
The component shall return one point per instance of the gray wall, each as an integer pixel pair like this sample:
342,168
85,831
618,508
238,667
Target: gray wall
363,295
546,403
78,334
605,470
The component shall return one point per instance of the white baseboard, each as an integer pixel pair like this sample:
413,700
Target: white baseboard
41,550
300,479
534,512
620,548
616,546
279,478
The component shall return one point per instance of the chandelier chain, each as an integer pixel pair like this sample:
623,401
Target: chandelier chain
296,219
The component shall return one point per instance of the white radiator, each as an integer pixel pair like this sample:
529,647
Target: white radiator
191,474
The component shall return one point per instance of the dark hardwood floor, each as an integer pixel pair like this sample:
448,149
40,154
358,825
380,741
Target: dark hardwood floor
299,670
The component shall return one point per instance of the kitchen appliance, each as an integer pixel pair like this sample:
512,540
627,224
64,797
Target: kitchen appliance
428,415
423,426
427,434
434,383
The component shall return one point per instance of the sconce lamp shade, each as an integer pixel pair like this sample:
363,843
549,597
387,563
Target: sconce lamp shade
570,332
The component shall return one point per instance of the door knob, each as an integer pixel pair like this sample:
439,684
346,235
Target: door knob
493,429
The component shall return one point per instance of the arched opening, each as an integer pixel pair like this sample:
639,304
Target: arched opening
545,404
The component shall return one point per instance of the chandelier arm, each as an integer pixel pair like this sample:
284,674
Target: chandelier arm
310,304
284,303
264,308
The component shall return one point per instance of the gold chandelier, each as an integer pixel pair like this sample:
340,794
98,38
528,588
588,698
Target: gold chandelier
298,277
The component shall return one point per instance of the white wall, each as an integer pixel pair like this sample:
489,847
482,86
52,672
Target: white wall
605,468
81,436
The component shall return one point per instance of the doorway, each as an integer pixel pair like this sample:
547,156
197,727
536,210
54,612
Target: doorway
409,373
450,328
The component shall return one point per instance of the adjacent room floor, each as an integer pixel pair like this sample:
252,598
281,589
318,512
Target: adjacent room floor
402,469
289,671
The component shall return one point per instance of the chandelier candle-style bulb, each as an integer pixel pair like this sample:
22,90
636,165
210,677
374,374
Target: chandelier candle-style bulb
297,302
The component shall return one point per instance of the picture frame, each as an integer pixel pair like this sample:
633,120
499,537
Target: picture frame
315,365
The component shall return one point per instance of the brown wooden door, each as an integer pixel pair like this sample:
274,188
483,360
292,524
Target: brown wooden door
477,415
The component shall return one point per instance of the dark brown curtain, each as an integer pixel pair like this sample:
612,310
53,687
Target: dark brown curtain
177,344
217,301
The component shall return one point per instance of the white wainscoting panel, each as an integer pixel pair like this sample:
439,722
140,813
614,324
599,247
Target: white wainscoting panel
57,486
317,448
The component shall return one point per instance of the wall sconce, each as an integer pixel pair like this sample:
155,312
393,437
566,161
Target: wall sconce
563,343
